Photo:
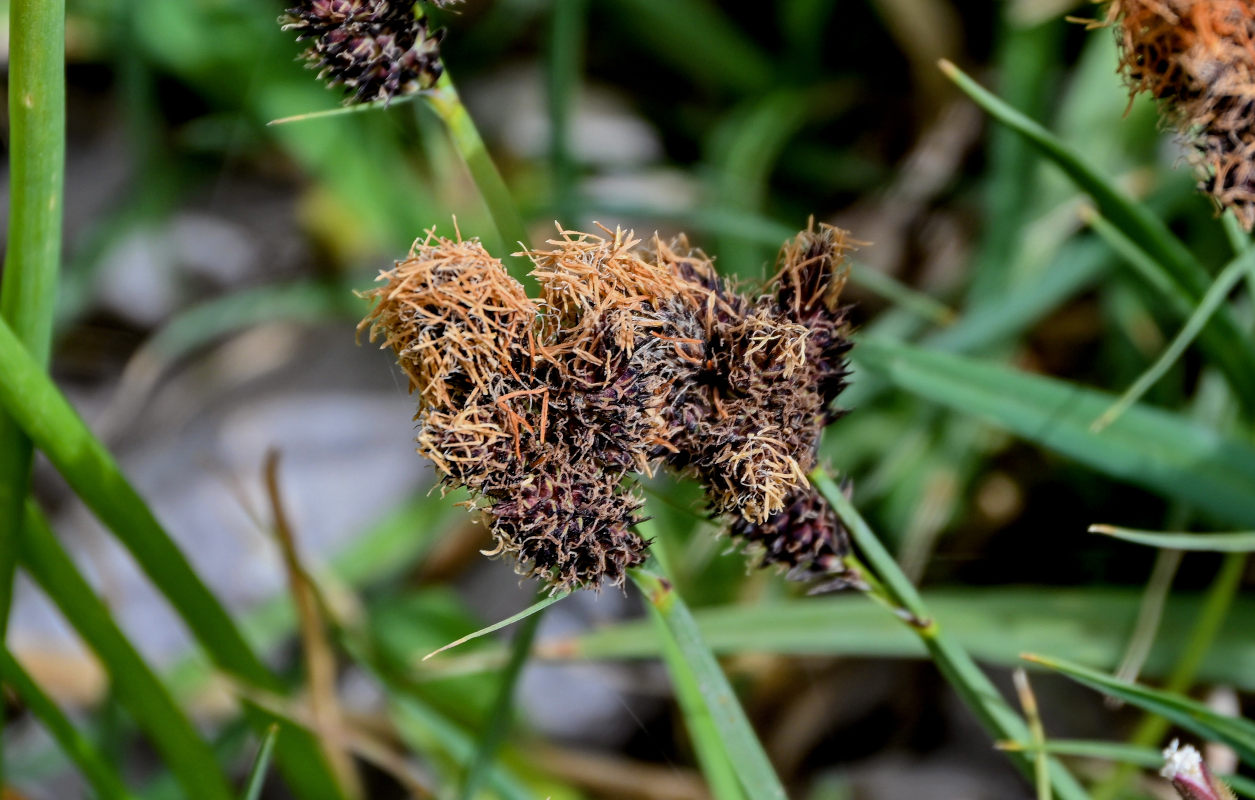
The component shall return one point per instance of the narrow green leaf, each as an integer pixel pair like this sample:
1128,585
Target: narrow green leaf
139,689
1147,757
339,111
100,774
1224,339
1216,294
995,625
534,608
52,424
697,665
1147,269
261,765
447,104
28,283
972,685
703,730
1147,447
1236,542
1190,715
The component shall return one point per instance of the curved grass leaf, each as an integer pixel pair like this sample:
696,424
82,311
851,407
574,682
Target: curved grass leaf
143,695
36,404
1216,294
896,592
1148,757
994,625
1147,447
1194,717
534,608
52,424
1236,542
100,774
1223,338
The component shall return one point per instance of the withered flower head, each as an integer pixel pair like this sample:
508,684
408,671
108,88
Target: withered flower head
1198,57
635,355
376,49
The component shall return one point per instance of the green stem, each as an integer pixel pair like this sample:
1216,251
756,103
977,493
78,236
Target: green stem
97,770
703,731
28,288
729,752
975,689
447,104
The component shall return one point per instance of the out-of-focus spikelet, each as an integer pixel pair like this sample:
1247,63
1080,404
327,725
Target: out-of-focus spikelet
1198,58
376,49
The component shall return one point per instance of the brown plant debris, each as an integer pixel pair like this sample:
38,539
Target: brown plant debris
1198,58
376,49
635,355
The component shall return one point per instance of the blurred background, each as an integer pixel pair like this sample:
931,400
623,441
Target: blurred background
206,316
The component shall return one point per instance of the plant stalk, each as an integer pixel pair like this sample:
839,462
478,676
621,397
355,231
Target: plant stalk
29,284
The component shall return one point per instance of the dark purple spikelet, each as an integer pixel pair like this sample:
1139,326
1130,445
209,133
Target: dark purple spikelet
806,538
571,526
376,49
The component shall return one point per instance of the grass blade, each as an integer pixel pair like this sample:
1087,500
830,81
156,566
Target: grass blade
994,625
1228,278
339,111
261,765
52,424
100,774
1236,542
32,399
975,689
28,284
1148,757
534,608
144,696
1224,339
1194,717
703,730
691,661
1203,629
1147,447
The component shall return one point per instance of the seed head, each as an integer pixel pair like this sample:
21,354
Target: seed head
805,537
633,356
376,49
1198,58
